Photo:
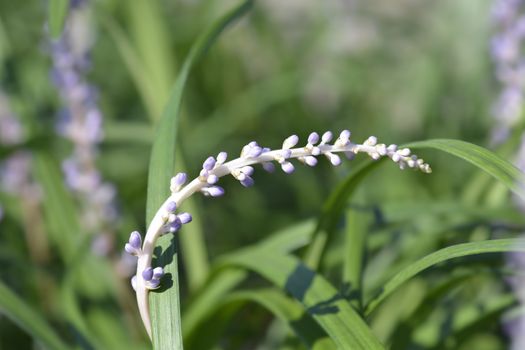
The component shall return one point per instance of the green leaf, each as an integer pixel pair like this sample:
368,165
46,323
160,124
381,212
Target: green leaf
164,306
328,307
484,159
333,209
28,319
288,311
456,251
57,12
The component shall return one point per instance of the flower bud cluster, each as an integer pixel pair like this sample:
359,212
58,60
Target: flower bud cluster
166,220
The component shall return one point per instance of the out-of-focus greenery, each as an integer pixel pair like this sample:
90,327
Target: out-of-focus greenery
401,70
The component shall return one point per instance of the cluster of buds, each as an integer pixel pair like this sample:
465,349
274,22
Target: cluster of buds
167,221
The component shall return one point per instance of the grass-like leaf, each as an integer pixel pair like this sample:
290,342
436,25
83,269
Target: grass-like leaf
484,159
164,306
456,251
28,319
323,302
57,11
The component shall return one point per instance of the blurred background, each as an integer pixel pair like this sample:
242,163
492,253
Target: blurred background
77,118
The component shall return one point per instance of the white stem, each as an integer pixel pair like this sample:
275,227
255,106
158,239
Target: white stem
155,228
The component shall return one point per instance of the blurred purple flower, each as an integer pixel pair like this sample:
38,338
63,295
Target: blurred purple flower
81,121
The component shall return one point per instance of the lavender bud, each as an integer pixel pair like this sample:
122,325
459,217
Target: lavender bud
371,141
327,137
221,157
248,170
213,191
177,181
350,155
247,181
147,274
209,163
268,166
185,218
158,272
153,284
405,152
254,152
313,138
135,240
287,167
290,141
334,159
171,207
212,179
311,161
175,225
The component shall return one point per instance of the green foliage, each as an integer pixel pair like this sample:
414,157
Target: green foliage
359,257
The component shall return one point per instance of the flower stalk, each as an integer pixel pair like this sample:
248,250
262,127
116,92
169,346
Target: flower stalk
167,221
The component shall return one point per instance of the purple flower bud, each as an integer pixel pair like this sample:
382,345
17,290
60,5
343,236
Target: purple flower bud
247,181
287,167
209,163
350,155
213,191
334,159
153,284
248,170
313,138
212,179
221,157
345,135
175,225
171,207
311,161
185,218
254,152
158,272
147,274
268,166
327,137
290,141
135,240
177,181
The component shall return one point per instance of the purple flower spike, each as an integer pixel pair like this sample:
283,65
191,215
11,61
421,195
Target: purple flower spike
209,164
171,207
213,191
313,138
185,218
147,274
287,167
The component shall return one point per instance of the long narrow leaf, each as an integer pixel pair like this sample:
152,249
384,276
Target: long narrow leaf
456,251
484,159
165,306
28,319
323,302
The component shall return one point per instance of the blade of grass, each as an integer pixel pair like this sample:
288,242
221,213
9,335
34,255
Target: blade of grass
482,158
28,319
57,12
452,252
165,307
324,303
